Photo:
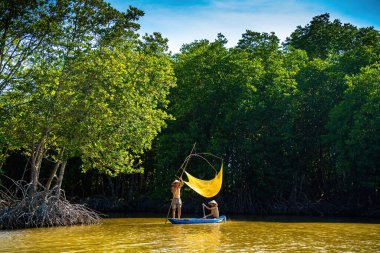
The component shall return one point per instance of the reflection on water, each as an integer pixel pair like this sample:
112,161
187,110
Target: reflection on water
195,237
152,235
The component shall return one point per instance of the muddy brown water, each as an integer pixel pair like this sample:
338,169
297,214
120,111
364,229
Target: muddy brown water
152,235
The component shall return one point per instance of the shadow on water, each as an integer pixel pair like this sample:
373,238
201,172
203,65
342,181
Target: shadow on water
309,219
269,218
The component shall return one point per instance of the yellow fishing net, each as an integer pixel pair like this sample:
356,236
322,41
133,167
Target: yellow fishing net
206,188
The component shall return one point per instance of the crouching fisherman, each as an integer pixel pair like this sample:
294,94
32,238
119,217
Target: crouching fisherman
213,208
176,201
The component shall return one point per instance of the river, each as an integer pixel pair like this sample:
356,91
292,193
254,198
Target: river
152,235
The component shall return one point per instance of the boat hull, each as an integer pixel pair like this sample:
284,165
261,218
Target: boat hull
198,220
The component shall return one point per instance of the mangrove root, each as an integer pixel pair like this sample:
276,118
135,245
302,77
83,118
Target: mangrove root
20,209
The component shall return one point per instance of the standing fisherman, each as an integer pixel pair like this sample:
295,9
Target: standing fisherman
176,201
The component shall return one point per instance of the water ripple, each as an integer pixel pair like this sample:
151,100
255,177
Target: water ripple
151,235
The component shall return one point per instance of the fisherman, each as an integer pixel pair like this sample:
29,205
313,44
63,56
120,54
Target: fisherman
214,209
176,201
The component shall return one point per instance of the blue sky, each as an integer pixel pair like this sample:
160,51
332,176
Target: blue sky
183,21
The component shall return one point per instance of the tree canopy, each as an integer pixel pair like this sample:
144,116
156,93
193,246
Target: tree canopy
89,87
297,124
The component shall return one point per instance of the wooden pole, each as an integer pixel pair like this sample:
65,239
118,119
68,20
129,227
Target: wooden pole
171,203
186,161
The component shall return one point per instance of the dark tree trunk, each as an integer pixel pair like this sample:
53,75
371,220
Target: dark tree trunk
60,178
36,157
52,175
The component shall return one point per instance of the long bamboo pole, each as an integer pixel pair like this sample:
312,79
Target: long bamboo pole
167,215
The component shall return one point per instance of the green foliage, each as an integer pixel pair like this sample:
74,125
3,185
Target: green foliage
24,28
354,130
295,125
321,38
266,112
93,90
261,44
236,103
121,110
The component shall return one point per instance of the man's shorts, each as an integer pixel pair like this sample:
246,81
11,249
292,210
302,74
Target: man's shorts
176,203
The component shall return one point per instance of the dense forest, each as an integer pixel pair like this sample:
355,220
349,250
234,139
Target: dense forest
109,116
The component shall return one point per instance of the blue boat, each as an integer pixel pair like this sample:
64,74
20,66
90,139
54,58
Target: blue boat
198,220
